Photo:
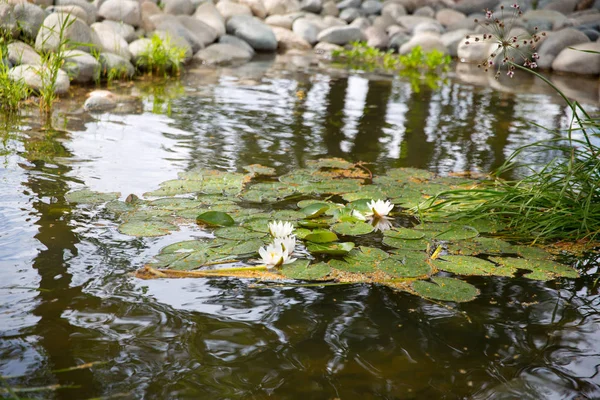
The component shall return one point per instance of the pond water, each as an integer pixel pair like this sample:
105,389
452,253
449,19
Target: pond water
67,296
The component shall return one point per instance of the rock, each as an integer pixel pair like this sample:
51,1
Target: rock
32,76
203,33
229,9
90,10
178,7
126,31
377,37
350,14
111,41
411,21
394,29
222,53
114,64
81,66
288,40
283,21
371,7
306,29
20,53
75,11
589,20
340,35
329,21
208,13
235,41
148,9
126,11
557,42
175,29
453,38
258,35
361,23
579,62
326,49
427,41
103,100
8,23
592,34
471,51
138,47
425,11
342,5
393,10
257,7
75,30
562,6
543,19
281,6
383,21
433,27
29,18
397,40
468,7
312,6
448,17
330,8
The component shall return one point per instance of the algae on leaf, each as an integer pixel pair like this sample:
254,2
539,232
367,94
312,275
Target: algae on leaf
86,196
446,289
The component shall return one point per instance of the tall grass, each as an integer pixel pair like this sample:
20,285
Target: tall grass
161,57
556,200
12,91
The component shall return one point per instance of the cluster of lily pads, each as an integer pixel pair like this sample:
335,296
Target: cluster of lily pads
330,222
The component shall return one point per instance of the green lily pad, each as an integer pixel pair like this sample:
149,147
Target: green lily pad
301,233
300,269
237,233
238,248
360,260
406,174
446,289
352,228
368,193
187,246
408,264
321,236
86,196
533,252
457,232
215,218
480,245
337,163
258,169
287,215
543,270
483,225
165,260
190,261
174,187
404,233
406,244
314,210
258,224
147,228
119,207
315,223
466,265
174,203
334,249
409,199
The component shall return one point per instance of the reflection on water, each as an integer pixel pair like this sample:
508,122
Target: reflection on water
67,298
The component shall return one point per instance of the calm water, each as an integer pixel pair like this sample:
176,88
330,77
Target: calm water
67,296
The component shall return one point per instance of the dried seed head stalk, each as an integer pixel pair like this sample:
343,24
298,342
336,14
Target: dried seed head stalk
511,49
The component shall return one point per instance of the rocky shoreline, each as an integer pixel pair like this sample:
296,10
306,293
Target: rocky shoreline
233,31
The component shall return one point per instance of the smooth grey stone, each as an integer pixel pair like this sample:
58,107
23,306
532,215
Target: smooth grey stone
306,29
579,62
31,75
397,40
110,61
81,66
371,7
127,11
362,23
475,6
557,42
453,38
340,35
126,31
350,14
330,8
204,33
76,31
20,53
111,41
425,11
178,7
448,17
313,6
208,13
90,9
139,47
8,22
29,18
222,53
251,29
230,9
172,26
592,34
236,41
342,5
376,37
394,10
427,41
281,6
288,40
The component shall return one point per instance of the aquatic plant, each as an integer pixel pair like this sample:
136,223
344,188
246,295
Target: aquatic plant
556,200
12,92
161,57
252,217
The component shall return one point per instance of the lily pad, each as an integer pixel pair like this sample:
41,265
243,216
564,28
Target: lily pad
287,215
536,253
334,249
174,203
406,174
315,223
480,245
406,244
176,186
408,264
187,246
446,289
352,228
457,232
237,233
215,218
361,260
337,163
300,269
321,236
237,248
86,196
466,265
190,261
404,233
258,169
314,210
147,228
543,270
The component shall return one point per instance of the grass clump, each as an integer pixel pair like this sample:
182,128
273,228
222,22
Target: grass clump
12,92
161,57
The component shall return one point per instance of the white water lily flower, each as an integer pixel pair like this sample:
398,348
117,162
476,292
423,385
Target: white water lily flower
380,208
287,243
273,256
381,224
280,229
